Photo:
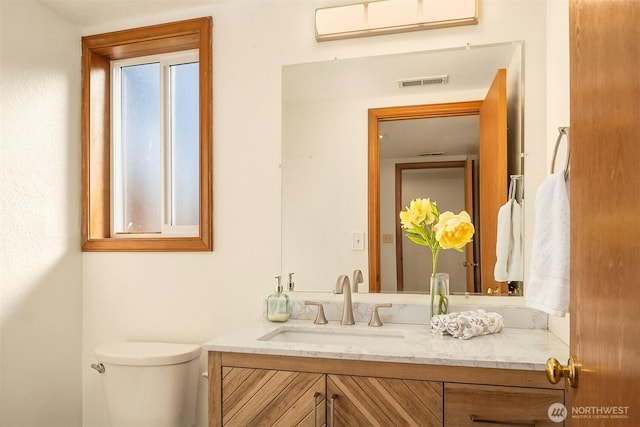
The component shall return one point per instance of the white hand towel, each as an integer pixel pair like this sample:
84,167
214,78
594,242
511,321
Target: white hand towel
439,322
469,326
515,269
509,260
548,286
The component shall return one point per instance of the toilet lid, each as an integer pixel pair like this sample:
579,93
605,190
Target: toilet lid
146,353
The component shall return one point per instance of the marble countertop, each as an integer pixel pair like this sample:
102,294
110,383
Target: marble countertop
513,348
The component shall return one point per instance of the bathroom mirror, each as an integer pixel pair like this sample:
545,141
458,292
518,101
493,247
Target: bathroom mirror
325,172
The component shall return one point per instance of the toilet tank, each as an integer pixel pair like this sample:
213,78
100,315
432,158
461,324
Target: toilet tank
149,384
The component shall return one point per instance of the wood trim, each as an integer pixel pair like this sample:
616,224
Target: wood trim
398,237
375,116
153,39
96,162
206,134
97,52
468,205
449,374
214,371
374,201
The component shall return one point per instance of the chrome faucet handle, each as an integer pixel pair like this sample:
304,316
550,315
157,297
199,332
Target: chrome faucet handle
375,317
320,319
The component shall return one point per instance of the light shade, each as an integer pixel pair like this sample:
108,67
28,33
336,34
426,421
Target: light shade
392,16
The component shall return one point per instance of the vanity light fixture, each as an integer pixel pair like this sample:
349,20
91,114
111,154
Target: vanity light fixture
431,153
369,18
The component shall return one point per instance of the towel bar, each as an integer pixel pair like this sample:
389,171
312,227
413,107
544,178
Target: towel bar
561,132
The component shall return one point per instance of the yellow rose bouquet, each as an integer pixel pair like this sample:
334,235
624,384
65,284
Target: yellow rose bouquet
426,226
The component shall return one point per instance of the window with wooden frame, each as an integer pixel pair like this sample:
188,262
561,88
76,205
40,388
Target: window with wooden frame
147,139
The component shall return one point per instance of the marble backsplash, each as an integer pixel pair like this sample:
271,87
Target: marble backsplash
406,311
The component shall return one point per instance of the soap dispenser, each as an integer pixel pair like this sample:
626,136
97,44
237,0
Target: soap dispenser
278,304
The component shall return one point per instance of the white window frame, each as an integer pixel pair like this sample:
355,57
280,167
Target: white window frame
117,220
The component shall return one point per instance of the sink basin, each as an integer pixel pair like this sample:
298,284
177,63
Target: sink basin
349,336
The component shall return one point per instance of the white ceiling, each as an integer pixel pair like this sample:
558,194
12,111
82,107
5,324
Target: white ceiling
87,13
451,136
468,69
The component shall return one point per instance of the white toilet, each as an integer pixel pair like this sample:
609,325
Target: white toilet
149,384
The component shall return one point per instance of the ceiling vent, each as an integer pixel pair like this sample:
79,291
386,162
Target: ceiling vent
424,81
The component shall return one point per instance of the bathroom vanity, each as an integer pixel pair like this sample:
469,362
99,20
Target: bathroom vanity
299,373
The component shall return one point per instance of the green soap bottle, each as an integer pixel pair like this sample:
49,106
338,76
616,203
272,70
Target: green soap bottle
278,305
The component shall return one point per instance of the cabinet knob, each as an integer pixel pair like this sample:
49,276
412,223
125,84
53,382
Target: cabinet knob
555,371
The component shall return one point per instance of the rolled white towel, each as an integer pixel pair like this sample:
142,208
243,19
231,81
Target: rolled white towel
465,327
439,322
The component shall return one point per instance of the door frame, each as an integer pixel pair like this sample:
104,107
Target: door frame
377,115
466,165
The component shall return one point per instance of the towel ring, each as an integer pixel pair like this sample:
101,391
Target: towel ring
562,132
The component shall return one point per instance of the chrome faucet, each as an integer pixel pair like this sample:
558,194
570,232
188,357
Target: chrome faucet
357,278
343,286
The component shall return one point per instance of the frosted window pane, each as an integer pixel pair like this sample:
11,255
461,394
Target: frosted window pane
141,148
185,142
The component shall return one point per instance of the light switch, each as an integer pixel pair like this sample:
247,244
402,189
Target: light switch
358,241
387,238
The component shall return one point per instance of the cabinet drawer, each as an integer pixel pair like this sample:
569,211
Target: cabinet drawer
479,405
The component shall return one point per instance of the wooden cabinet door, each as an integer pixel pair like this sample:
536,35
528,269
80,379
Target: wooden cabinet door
479,405
368,401
262,397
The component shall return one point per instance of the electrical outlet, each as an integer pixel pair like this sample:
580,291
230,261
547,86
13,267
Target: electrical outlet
358,241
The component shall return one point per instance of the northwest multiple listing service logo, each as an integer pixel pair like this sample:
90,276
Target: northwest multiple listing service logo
557,412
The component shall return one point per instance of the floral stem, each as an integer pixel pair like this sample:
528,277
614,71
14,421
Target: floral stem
434,254
432,291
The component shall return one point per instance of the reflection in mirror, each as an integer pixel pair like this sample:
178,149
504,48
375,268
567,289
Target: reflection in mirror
450,185
325,149
444,173
433,131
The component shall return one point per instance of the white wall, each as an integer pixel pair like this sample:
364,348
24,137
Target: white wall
169,296
40,262
557,105
194,297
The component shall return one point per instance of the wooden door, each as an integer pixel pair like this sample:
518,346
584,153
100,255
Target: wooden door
605,211
493,181
367,401
264,397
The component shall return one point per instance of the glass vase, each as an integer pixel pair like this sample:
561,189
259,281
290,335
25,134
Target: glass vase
439,294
